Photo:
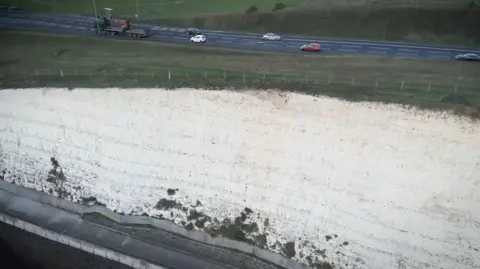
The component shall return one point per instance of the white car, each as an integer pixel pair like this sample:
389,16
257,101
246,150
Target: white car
467,57
198,39
271,37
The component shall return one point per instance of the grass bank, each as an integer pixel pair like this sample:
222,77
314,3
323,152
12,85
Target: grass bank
421,21
70,61
149,8
456,25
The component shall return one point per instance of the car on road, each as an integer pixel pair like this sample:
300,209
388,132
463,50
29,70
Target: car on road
313,47
198,39
271,37
193,31
467,57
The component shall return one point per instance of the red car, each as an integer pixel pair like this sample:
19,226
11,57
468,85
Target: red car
314,47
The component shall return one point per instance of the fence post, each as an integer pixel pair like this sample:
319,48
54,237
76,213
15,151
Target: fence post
61,73
306,79
353,81
429,85
401,87
376,84
205,74
224,74
169,75
243,77
329,79
264,76
284,79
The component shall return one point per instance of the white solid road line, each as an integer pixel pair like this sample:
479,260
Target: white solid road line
377,48
407,54
348,50
350,46
376,52
356,43
439,52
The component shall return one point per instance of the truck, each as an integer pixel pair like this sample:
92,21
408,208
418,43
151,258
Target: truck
108,26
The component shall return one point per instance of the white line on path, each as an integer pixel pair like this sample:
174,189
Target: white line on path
376,52
407,54
439,52
350,46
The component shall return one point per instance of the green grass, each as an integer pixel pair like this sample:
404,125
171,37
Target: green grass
104,62
439,25
149,8
421,21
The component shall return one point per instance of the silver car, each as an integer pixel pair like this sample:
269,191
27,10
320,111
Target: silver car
467,57
271,37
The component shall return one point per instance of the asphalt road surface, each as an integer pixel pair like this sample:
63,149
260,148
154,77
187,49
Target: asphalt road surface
82,25
23,250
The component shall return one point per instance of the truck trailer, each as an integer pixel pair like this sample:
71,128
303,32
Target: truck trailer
104,26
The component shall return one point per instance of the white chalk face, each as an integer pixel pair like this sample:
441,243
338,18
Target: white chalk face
371,185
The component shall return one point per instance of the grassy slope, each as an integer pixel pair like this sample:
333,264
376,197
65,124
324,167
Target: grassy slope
429,21
104,62
149,8
456,25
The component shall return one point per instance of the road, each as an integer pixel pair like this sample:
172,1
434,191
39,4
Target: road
82,25
26,251
152,245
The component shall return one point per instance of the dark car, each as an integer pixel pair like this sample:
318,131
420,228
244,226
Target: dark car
467,57
193,31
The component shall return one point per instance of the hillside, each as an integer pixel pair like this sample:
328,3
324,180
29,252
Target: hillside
448,25
357,185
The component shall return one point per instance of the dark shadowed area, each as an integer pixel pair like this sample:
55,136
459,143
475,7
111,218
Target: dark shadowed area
23,250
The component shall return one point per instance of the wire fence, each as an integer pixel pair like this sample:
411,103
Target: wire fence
394,86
